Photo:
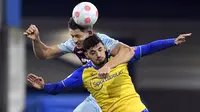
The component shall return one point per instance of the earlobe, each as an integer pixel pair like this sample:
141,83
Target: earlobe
86,55
105,49
90,32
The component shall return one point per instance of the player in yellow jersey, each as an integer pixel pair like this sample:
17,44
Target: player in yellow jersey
116,93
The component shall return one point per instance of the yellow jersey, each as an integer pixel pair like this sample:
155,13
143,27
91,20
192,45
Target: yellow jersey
116,93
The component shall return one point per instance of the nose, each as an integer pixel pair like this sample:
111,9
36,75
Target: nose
98,55
75,40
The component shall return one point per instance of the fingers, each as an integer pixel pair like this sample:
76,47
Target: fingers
32,78
26,34
29,80
186,35
30,30
133,48
40,79
181,38
103,75
34,27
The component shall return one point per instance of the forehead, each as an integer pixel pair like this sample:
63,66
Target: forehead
75,32
99,45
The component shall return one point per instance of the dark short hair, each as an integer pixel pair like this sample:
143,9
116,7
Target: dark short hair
91,41
72,25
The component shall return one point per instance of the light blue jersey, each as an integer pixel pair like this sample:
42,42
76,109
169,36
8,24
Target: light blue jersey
109,43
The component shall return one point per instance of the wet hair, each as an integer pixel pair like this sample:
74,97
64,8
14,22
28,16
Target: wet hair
72,25
91,41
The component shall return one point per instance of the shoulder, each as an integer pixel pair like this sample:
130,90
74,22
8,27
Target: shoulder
103,36
68,44
84,67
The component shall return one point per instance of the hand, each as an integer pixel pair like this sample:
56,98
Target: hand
104,71
181,38
35,81
32,32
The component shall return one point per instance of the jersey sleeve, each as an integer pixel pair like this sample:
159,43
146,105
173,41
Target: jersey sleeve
108,42
151,48
72,81
67,46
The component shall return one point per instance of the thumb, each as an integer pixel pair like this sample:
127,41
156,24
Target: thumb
25,33
40,78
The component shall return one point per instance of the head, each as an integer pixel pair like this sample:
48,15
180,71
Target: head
79,33
95,50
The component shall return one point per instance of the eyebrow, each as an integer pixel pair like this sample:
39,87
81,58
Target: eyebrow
74,35
92,50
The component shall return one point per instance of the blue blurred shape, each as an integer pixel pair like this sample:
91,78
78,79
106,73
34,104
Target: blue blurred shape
40,102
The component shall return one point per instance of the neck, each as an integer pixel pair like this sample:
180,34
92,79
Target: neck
101,64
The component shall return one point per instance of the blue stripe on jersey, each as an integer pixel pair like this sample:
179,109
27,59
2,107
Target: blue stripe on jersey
72,81
152,47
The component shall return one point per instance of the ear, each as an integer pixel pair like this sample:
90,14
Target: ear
104,49
86,54
90,32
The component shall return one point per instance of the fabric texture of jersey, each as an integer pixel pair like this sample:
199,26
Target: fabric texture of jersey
70,47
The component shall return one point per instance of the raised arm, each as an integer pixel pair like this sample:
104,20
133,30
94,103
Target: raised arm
41,50
72,81
158,45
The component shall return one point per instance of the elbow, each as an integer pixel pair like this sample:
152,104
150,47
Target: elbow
41,57
130,52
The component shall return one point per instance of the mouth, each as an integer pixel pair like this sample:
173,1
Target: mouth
78,44
99,59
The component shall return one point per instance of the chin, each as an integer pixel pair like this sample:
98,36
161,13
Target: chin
79,46
97,62
101,63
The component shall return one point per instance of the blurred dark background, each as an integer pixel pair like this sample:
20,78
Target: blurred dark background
168,81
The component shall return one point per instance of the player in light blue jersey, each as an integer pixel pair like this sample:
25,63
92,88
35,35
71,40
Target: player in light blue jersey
121,52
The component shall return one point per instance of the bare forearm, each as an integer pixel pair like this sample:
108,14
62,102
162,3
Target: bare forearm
39,49
123,56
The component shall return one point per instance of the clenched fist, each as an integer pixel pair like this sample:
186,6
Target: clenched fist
32,32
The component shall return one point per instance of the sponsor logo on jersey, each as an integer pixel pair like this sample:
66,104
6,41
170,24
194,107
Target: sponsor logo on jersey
97,84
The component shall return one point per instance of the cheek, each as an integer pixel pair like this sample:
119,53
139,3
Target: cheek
103,55
82,39
92,57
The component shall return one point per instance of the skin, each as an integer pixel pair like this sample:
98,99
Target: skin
121,53
97,55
